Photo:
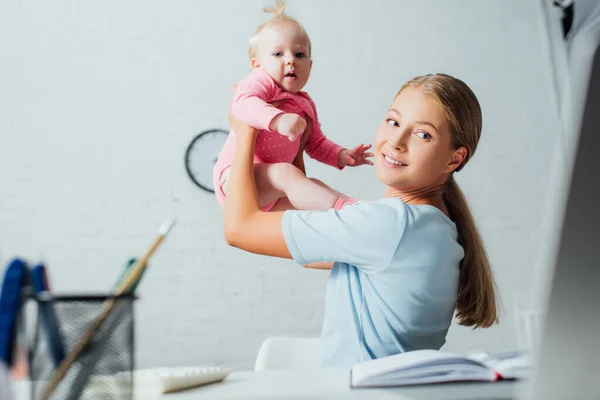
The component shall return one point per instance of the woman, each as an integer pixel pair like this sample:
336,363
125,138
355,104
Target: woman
403,265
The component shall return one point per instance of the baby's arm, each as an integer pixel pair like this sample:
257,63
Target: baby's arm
328,152
318,146
250,102
322,149
251,105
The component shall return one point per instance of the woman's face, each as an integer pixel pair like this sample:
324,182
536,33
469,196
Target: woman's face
413,149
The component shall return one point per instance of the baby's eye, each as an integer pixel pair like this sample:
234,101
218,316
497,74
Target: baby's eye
391,122
277,54
423,135
300,54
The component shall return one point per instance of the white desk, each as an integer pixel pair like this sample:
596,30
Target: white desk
321,384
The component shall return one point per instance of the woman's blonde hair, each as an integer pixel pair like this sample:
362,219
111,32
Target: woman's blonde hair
279,18
476,302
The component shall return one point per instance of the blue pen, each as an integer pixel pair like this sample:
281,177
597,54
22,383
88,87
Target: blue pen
39,280
15,280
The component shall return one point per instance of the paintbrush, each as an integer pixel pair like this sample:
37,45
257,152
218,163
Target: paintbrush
126,283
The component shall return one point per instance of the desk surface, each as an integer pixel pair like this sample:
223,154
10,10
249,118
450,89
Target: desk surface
320,384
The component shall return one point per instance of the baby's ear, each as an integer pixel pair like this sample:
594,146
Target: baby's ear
254,63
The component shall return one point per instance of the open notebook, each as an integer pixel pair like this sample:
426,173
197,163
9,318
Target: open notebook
431,366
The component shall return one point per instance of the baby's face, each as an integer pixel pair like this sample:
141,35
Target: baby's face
283,53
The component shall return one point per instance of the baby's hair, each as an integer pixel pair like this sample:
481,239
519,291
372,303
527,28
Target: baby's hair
279,18
278,10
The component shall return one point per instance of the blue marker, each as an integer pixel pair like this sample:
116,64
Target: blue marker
39,280
15,280
128,265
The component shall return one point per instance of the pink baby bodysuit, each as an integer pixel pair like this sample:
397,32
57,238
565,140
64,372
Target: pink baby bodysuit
251,106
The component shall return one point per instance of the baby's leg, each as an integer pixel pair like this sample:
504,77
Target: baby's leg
274,181
267,193
283,204
321,183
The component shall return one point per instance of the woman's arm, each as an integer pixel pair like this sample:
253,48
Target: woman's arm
246,226
320,265
299,163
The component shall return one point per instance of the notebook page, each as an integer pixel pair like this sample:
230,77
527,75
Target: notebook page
406,361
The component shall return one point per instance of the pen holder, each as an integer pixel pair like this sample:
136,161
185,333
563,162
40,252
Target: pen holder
104,369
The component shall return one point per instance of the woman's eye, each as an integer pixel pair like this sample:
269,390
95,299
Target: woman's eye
423,135
300,55
391,122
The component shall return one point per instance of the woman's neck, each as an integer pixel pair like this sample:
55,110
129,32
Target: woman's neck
432,196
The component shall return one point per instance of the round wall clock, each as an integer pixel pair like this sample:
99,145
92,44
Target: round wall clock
202,154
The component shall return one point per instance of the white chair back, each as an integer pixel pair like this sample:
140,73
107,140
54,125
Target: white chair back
279,352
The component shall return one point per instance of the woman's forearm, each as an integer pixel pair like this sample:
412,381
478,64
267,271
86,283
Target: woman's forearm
241,202
245,225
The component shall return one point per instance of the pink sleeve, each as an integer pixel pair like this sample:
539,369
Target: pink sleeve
250,102
318,146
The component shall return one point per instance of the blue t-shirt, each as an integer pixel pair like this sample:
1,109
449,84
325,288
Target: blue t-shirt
394,283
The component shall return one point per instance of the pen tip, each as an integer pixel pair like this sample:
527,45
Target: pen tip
166,226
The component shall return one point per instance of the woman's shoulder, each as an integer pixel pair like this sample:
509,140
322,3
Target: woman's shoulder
386,205
376,214
430,213
411,213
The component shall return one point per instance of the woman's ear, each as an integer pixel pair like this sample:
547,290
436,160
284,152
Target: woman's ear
458,157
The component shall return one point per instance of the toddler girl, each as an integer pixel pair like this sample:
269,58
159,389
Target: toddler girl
280,56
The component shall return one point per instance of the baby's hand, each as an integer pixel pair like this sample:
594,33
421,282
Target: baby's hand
355,157
290,125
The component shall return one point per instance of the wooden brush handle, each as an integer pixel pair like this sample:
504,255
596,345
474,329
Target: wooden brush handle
80,346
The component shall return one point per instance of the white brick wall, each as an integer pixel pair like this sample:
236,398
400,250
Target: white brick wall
100,99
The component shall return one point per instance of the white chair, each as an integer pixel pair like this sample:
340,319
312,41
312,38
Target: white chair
528,324
279,352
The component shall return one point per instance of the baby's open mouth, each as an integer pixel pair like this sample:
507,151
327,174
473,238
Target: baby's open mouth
290,75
